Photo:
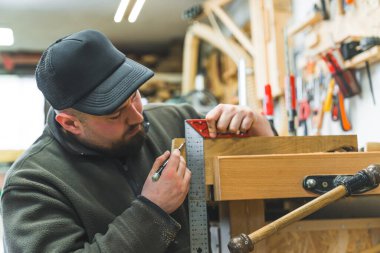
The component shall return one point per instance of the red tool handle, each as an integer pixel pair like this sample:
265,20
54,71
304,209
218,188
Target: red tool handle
293,93
304,110
268,101
200,125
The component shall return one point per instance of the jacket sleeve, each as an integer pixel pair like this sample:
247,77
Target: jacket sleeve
40,220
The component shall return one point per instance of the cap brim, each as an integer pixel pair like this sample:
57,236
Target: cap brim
115,90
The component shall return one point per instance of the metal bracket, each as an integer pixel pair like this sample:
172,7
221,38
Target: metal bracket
320,184
200,125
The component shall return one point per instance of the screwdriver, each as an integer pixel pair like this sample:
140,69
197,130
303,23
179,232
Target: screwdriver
157,174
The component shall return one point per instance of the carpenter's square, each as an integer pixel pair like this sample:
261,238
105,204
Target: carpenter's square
196,130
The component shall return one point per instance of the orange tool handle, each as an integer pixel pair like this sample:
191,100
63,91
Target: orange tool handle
346,125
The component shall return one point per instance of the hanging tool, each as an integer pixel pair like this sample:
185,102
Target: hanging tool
345,79
364,45
196,130
365,180
323,7
290,90
193,12
303,114
268,104
329,96
350,49
318,120
367,67
158,173
338,111
335,108
345,123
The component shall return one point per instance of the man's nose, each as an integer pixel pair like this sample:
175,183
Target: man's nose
135,116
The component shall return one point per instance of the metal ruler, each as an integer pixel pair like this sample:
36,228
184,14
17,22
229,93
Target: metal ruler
196,131
197,194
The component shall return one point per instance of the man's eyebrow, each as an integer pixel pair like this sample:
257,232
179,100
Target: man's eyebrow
117,110
123,105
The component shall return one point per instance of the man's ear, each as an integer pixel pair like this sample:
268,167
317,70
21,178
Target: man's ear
69,122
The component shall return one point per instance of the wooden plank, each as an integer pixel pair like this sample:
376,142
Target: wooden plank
2,179
247,216
335,236
329,241
281,176
373,146
233,28
312,19
260,37
268,145
9,156
372,55
333,224
374,249
190,62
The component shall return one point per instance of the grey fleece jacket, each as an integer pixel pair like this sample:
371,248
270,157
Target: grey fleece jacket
62,197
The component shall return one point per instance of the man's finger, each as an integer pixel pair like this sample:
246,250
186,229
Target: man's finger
159,161
182,167
212,118
236,123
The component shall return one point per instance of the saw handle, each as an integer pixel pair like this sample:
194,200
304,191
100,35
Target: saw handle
368,178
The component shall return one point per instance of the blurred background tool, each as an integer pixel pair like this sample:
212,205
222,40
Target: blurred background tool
268,103
290,90
364,45
303,115
345,78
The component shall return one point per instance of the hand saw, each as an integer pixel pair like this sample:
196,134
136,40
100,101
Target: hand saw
196,130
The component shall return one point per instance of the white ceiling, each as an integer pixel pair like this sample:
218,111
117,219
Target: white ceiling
38,23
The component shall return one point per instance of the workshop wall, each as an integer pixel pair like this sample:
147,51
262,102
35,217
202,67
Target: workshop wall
363,114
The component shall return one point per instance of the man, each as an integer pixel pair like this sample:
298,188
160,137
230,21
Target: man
86,184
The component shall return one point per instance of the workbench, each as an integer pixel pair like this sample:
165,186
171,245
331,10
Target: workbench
243,175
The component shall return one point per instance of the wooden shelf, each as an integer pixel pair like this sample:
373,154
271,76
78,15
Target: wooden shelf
312,20
372,55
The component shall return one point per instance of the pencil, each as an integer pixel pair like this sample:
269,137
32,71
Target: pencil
157,174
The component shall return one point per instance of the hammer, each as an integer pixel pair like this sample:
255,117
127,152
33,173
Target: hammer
365,180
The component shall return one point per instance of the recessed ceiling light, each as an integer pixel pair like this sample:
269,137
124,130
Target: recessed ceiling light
136,11
121,10
6,37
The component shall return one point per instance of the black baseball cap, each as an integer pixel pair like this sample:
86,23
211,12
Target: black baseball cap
86,72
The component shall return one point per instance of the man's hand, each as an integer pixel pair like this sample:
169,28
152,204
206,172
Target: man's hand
171,189
237,119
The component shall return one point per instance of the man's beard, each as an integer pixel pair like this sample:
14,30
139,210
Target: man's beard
128,148
123,148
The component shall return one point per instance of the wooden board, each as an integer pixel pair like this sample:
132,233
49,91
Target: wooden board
281,176
332,236
373,146
9,156
268,145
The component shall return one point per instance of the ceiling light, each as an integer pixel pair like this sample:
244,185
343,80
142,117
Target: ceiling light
136,11
6,37
121,10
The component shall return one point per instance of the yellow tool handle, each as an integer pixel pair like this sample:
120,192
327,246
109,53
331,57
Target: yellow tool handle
329,96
